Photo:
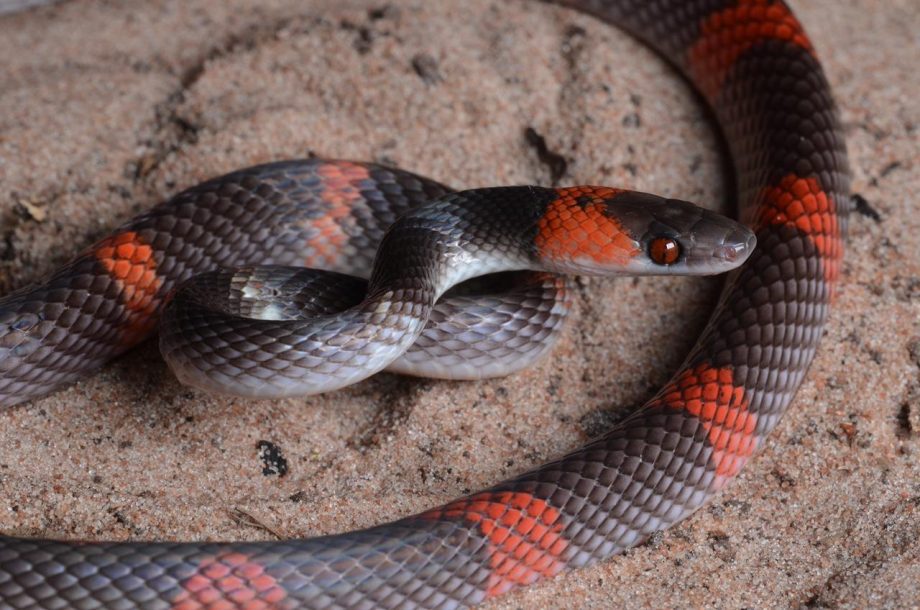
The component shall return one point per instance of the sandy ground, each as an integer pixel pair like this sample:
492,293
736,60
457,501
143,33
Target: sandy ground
107,108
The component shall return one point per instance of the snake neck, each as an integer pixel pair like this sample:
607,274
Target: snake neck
456,238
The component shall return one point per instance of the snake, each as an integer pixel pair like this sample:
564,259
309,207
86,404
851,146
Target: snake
265,329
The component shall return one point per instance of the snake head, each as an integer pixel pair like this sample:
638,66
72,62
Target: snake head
604,231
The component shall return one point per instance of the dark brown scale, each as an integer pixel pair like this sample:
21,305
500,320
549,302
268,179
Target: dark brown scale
655,468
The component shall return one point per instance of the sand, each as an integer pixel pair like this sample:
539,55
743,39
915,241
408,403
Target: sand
107,108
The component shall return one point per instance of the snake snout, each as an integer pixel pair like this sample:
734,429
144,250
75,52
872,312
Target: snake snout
737,247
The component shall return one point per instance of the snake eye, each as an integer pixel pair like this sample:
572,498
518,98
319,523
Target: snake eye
664,250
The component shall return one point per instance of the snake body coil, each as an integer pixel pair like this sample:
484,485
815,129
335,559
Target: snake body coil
754,65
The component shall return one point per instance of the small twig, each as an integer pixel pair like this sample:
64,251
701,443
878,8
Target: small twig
556,163
862,206
247,519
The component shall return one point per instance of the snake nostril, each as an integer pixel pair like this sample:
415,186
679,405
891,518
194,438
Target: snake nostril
730,252
727,253
737,248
